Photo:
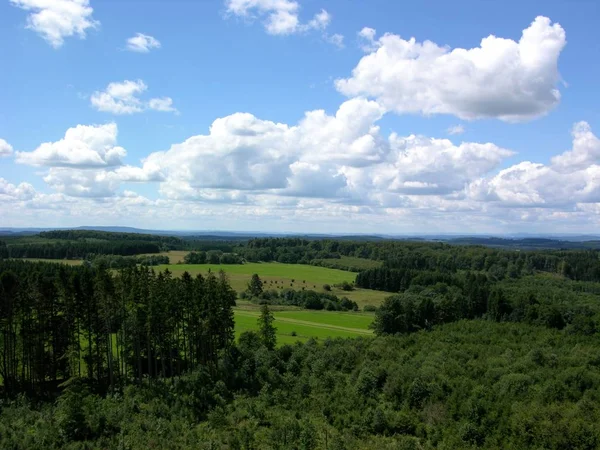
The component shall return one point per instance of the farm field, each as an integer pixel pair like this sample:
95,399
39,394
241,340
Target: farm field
175,256
280,276
306,324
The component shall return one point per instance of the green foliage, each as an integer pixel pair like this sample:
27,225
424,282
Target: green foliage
307,299
469,384
60,322
255,286
266,329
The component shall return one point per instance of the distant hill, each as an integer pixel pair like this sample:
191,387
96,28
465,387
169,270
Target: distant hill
518,241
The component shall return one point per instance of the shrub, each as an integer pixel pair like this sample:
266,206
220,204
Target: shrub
345,286
327,287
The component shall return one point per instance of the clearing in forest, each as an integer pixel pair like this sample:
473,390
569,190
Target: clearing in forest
302,325
279,276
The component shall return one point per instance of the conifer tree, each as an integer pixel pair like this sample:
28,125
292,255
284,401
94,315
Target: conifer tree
266,329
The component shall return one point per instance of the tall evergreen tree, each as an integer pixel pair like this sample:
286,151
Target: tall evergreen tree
266,329
255,286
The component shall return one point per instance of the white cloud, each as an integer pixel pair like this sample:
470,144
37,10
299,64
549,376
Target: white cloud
5,148
123,98
82,146
585,152
56,20
120,98
164,104
502,78
244,153
11,192
320,22
456,129
241,152
82,183
87,162
340,157
367,41
427,165
282,17
142,43
326,170
148,172
571,179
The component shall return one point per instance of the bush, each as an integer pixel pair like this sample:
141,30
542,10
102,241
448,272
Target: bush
345,286
327,287
370,308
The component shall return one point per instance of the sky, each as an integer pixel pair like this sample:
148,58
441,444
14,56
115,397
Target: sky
311,116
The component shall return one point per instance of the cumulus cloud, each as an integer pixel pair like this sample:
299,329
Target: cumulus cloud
82,146
326,167
571,179
123,98
11,192
341,157
82,183
142,43
244,153
56,20
585,152
366,38
437,166
5,148
502,78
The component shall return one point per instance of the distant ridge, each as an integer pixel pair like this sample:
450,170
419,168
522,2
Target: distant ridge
523,241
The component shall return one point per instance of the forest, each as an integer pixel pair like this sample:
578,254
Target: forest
474,347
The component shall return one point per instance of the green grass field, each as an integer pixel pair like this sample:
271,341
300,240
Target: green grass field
306,324
280,276
274,275
298,272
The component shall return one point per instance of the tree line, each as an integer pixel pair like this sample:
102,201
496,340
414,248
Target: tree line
212,257
59,322
580,265
76,249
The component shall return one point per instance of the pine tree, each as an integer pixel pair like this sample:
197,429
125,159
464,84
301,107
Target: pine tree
255,287
266,329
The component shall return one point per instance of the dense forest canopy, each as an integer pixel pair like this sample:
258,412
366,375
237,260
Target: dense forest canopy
474,347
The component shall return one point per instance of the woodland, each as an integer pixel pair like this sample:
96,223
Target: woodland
474,347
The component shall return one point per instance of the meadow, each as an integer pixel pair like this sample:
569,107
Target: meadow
301,325
281,276
274,275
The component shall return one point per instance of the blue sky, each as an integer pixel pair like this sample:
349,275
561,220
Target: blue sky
385,163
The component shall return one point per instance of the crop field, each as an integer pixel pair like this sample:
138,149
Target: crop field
302,325
280,276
